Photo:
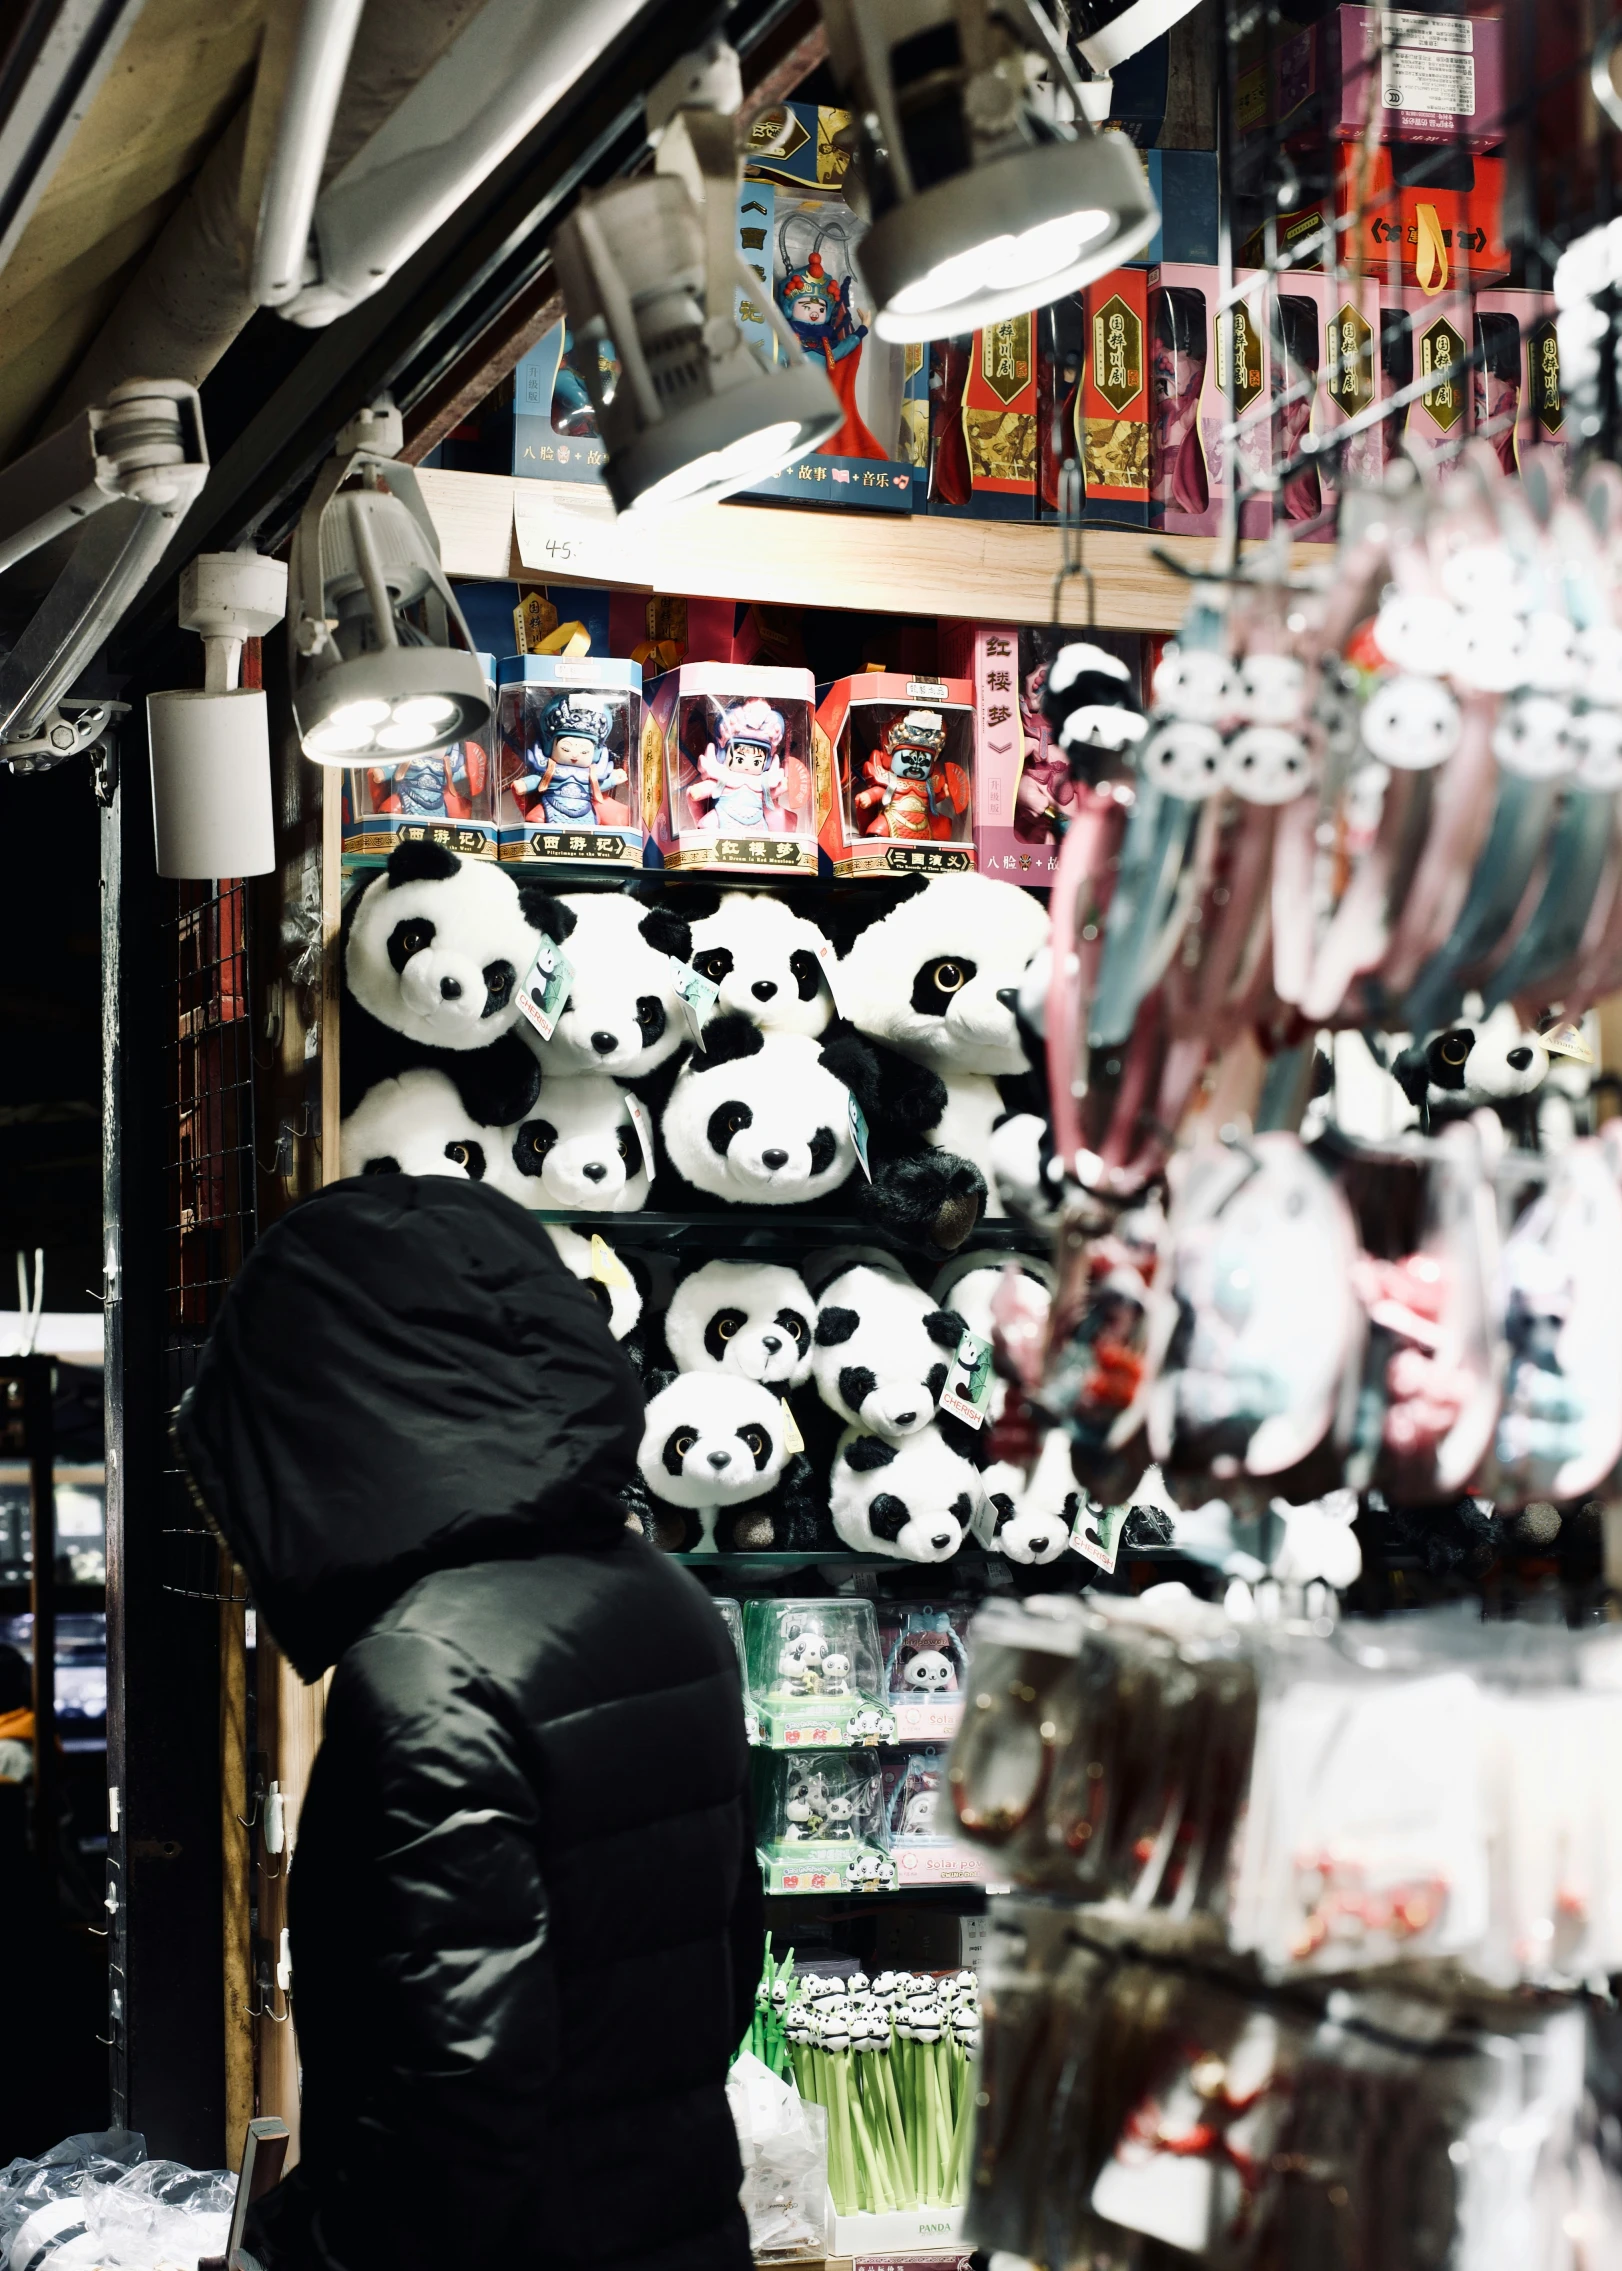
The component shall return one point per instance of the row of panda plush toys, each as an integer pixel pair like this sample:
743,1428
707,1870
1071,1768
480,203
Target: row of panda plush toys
788,1406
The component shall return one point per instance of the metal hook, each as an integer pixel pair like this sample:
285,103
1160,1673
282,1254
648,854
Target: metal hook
1071,563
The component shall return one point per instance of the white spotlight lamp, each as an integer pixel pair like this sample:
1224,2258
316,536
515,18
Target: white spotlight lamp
381,654
211,801
686,407
989,190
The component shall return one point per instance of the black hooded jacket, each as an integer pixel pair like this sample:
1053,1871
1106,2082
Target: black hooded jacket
526,1920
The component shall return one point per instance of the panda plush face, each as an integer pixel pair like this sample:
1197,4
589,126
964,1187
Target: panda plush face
624,1015
712,1439
913,1501
579,1149
438,946
1471,1065
758,1118
939,976
883,1352
1032,1522
621,1300
751,1318
764,958
415,1125
929,1674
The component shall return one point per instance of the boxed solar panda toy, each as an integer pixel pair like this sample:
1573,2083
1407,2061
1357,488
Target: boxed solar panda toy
814,1675
570,744
726,769
895,765
821,1817
445,797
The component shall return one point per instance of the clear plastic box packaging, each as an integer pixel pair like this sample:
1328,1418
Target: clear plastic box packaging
571,759
731,1614
814,1672
926,1668
919,1822
821,1818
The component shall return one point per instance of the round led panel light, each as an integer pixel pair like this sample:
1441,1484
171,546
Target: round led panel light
1006,236
403,702
724,442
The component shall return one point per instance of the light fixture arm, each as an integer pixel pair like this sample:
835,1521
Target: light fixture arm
699,148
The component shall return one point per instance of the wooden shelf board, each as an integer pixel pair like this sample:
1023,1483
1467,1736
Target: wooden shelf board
494,526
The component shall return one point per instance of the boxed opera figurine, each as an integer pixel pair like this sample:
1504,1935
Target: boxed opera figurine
895,762
821,1822
570,749
726,769
446,797
814,1674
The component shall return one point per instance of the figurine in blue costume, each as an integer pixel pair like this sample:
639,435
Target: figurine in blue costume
571,767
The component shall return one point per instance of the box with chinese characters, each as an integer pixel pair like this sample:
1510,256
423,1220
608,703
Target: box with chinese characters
1408,213
570,751
1392,75
895,770
1092,370
1015,835
799,234
447,796
1515,400
727,771
554,425
985,423
1192,341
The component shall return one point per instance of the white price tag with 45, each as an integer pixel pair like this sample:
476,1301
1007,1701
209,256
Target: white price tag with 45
568,531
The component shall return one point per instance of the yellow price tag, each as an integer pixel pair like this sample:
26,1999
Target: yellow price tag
606,1266
793,1440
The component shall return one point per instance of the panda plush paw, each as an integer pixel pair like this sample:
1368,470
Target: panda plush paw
929,1198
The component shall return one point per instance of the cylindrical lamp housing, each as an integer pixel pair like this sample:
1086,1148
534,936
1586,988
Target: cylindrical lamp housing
211,802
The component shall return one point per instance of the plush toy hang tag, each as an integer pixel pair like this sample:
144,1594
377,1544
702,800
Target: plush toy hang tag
699,996
967,1393
793,1440
644,1130
830,963
606,1266
546,988
859,1135
1097,1534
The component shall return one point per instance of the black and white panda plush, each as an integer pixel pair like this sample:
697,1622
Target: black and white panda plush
883,1352
1089,701
968,1285
717,1470
624,1015
611,1281
435,949
1032,1519
914,1501
763,1119
1497,1062
752,1318
766,961
415,1124
938,979
578,1149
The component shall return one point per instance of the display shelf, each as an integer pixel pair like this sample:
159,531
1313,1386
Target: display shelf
748,1227
494,526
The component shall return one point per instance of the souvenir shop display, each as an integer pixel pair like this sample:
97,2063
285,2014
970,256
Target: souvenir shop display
448,797
821,1821
814,1674
569,741
727,768
895,774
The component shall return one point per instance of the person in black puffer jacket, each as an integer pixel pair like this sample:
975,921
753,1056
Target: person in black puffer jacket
525,1911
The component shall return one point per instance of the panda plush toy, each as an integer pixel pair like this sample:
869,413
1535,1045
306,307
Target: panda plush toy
415,1124
764,1119
938,979
578,1149
1497,1062
611,1281
717,1472
434,950
624,1015
883,1352
1089,702
1032,1520
765,960
968,1286
750,1318
913,1501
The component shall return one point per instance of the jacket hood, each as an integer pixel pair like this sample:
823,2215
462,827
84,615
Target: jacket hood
403,1377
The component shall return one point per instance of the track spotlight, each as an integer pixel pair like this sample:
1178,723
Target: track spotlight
211,802
382,658
989,190
685,406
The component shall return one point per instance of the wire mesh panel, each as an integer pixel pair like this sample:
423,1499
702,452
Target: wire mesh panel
211,1213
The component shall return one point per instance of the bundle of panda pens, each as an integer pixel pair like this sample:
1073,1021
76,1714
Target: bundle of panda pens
891,2060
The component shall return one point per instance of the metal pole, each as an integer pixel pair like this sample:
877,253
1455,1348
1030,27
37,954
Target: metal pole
31,1378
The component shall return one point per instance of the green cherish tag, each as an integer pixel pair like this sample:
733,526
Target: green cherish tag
699,996
967,1393
859,1135
545,989
1097,1534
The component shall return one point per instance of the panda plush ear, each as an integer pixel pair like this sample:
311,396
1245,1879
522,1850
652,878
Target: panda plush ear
667,933
864,1453
726,1040
420,860
835,1326
498,1085
544,912
698,902
945,1328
